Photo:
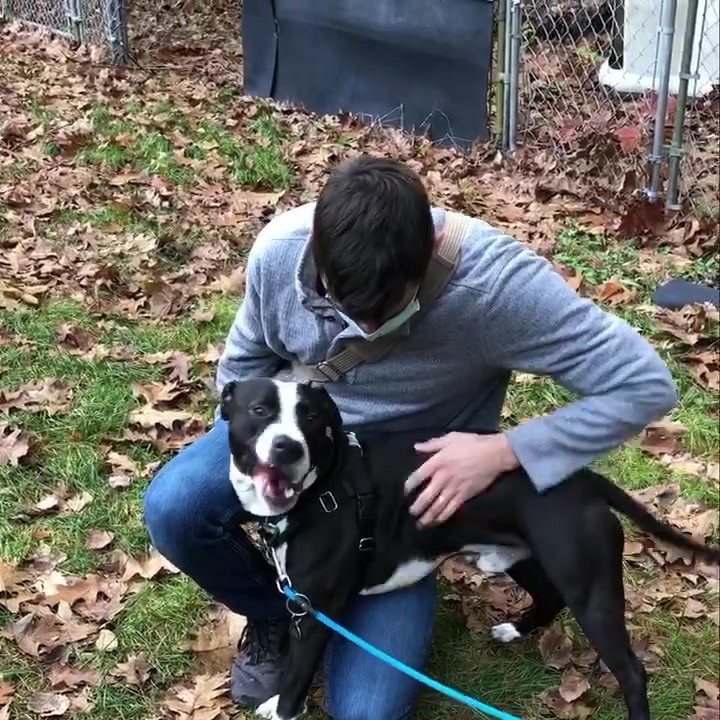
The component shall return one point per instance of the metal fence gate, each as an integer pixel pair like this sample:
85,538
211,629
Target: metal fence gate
99,23
616,86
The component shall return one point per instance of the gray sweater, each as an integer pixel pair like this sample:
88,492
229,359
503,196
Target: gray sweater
505,309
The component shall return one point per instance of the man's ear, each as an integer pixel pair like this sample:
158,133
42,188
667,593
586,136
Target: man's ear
226,399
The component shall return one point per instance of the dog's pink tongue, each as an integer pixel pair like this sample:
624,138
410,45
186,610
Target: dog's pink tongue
269,479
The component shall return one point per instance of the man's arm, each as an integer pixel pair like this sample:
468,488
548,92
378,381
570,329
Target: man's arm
246,353
534,322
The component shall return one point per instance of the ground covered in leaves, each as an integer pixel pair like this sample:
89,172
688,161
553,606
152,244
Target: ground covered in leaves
128,199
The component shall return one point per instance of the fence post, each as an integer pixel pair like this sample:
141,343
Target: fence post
506,73
74,19
500,71
117,31
666,31
515,40
676,149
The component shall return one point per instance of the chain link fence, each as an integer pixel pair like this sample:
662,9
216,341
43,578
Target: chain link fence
100,24
599,86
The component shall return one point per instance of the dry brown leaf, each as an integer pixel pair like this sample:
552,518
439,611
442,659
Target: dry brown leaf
147,416
99,539
81,703
14,445
77,502
11,577
614,293
49,704
202,701
68,677
708,687
74,339
49,396
136,670
632,547
146,567
573,685
106,641
7,692
662,437
555,647
221,629
563,709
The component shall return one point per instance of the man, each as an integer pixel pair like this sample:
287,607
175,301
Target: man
351,266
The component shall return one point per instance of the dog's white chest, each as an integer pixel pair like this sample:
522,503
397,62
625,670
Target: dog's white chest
491,559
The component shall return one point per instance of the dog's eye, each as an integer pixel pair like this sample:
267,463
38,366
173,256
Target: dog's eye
259,410
311,416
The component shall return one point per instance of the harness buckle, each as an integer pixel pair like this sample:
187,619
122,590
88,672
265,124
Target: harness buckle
366,544
328,502
328,370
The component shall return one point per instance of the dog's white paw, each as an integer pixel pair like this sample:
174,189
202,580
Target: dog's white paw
268,710
505,632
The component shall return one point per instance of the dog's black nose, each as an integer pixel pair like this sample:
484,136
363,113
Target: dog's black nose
285,451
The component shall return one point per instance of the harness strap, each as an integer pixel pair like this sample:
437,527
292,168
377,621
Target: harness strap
442,266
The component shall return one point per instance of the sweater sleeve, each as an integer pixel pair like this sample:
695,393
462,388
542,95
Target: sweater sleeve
246,353
536,323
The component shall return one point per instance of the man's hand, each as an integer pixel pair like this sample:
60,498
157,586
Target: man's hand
461,466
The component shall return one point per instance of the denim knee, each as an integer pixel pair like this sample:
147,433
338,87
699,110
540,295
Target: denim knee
171,520
380,704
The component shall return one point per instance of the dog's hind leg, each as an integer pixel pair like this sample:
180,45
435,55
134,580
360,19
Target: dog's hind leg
593,586
547,601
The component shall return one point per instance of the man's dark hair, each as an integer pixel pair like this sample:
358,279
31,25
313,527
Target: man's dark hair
372,235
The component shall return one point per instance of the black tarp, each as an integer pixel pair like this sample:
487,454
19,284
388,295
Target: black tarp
420,64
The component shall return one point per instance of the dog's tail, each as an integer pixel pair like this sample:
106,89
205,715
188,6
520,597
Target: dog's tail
625,504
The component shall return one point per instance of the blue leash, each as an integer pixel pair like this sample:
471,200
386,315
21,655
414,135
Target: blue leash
304,603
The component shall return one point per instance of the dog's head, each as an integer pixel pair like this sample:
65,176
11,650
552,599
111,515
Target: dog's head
283,435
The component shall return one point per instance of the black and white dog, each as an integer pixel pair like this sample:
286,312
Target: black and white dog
340,525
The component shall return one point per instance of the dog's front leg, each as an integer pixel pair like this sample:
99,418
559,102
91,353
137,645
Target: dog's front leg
303,660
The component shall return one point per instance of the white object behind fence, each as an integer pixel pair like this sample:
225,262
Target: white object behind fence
639,43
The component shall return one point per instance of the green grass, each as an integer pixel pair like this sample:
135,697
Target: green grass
160,137
164,613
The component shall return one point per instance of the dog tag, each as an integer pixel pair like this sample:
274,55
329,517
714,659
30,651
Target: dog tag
295,628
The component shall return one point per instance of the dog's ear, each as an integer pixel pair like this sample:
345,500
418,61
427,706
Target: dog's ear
226,399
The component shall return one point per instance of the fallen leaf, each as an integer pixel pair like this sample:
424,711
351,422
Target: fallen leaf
69,677
106,641
136,670
662,437
709,688
98,539
48,704
7,692
573,685
563,709
206,693
77,502
221,629
147,416
14,445
555,647
614,293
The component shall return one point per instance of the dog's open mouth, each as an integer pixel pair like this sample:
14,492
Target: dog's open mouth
273,482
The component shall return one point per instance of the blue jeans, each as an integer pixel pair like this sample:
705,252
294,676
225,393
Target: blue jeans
193,517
